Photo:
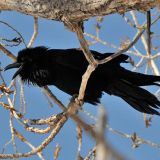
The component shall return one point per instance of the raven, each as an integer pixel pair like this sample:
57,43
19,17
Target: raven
64,68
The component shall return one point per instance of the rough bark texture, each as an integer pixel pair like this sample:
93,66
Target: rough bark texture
75,10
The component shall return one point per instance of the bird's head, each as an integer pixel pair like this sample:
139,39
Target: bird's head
30,65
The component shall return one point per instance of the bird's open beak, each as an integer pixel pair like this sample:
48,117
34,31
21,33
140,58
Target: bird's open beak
14,65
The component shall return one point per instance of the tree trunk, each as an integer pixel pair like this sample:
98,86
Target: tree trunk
75,10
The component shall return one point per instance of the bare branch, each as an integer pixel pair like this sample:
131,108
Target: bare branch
24,140
90,154
54,98
148,30
75,10
125,135
101,153
79,137
85,78
84,45
35,33
90,130
135,39
56,151
42,145
8,53
15,31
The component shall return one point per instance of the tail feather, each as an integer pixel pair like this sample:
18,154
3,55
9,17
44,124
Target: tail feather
139,98
140,79
141,106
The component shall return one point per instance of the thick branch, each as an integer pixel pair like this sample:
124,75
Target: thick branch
77,10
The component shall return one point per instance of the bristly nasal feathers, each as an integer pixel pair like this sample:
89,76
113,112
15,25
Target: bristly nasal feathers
64,68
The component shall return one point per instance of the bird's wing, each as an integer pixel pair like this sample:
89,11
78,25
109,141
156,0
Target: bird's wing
72,59
75,59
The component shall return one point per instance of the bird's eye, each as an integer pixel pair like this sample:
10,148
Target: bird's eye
26,59
29,59
22,59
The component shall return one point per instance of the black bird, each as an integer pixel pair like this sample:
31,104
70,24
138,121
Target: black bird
64,69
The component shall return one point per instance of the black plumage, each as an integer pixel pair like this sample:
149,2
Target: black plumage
64,69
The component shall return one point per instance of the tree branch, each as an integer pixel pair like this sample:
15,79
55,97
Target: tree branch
35,33
75,10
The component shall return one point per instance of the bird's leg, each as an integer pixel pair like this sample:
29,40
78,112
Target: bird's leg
77,101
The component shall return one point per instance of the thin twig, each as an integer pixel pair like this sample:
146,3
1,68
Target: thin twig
148,31
91,60
84,46
54,98
97,39
12,133
52,120
35,33
39,130
91,152
89,129
154,67
14,93
79,138
84,81
8,53
5,23
147,43
125,135
144,42
50,104
22,98
24,140
101,153
54,132
135,39
15,41
57,151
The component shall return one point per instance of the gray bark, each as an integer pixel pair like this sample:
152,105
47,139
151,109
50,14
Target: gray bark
75,10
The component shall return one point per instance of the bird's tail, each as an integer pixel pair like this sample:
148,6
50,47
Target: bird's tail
141,79
137,97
